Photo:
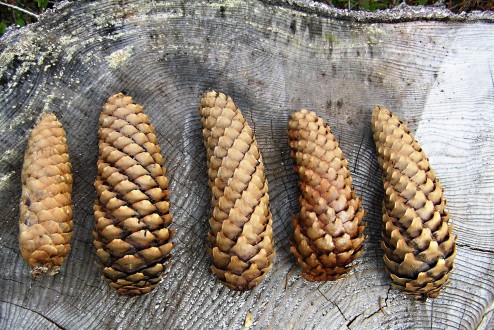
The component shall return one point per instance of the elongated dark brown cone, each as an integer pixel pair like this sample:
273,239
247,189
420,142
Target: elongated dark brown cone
45,223
241,235
132,211
419,247
329,229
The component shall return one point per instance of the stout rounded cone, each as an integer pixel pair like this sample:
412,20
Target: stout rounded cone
45,222
241,235
131,212
419,247
329,229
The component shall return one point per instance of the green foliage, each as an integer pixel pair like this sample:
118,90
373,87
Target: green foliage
19,21
3,27
42,4
372,5
11,16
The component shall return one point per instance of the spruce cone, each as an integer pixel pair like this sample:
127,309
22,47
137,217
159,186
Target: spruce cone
241,236
329,229
132,210
419,247
45,223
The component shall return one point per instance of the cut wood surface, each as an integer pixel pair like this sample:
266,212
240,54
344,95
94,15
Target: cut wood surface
273,58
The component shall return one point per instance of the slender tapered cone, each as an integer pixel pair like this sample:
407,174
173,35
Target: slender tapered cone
132,211
419,247
45,223
241,235
329,230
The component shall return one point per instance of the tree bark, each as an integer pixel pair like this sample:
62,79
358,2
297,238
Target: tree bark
273,58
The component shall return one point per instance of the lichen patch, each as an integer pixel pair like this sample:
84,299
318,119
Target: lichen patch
119,57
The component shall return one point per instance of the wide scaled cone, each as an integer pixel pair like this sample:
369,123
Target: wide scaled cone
132,211
419,247
45,222
329,230
241,235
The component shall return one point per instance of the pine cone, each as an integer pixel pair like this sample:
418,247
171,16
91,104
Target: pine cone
329,229
45,223
419,247
241,235
132,210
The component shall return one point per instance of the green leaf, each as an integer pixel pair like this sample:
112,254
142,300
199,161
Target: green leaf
42,4
19,21
365,5
3,27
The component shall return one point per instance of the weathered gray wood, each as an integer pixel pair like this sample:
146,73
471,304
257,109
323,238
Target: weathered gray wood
273,58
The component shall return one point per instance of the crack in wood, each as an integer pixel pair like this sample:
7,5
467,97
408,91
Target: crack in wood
386,300
379,310
26,296
358,154
332,302
463,245
484,320
57,325
381,306
462,315
12,280
287,276
9,248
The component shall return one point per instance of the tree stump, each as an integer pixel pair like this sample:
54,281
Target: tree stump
434,69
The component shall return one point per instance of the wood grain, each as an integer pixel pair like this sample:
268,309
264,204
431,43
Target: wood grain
273,58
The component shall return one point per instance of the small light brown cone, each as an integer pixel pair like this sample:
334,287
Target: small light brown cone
329,229
45,222
131,212
419,247
241,235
